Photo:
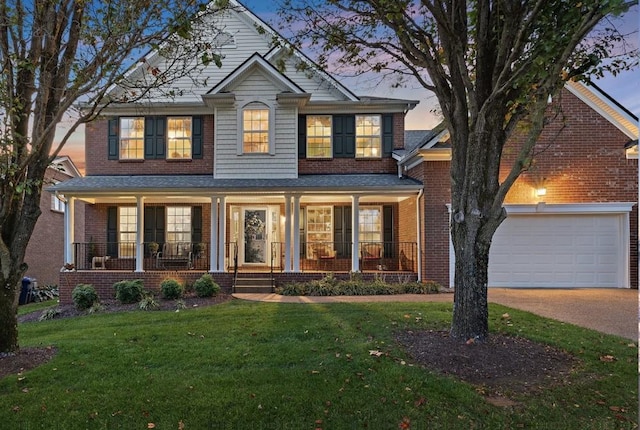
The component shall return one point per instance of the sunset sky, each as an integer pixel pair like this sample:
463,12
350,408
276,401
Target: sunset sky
625,88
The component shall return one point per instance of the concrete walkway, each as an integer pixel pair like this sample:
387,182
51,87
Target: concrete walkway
611,311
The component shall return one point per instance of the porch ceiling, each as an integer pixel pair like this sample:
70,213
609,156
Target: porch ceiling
373,187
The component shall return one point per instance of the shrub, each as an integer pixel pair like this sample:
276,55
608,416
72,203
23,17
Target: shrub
129,291
426,287
171,289
148,303
84,296
292,289
44,293
49,314
206,286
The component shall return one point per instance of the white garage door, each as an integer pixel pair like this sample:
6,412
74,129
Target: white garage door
566,250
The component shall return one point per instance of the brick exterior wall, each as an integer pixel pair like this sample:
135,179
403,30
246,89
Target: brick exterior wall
98,163
45,251
580,157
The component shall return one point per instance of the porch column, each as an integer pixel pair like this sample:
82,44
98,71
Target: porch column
287,233
296,233
213,239
355,229
222,223
140,234
69,230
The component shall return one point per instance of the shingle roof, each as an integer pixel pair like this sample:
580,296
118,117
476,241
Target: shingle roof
206,183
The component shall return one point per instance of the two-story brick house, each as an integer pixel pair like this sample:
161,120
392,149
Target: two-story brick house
282,171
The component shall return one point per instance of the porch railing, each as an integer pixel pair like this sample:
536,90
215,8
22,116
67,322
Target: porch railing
122,256
336,256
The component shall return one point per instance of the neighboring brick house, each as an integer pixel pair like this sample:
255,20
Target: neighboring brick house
269,172
45,252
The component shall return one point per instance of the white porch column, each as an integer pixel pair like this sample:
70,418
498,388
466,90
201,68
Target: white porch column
140,234
222,229
355,229
287,233
296,233
213,239
69,230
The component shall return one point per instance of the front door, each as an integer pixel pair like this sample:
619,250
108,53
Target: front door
254,229
255,236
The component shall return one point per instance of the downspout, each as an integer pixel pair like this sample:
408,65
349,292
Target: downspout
419,250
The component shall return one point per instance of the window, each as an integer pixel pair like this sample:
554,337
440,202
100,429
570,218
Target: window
132,138
319,228
179,224
179,137
127,223
255,129
319,136
57,204
368,136
370,222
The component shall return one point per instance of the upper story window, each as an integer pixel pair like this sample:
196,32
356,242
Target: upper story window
131,138
179,137
255,129
368,136
155,137
319,136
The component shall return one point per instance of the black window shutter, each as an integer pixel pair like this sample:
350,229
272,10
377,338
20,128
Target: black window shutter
344,136
113,138
303,231
149,138
387,230
112,231
196,137
387,135
302,136
196,224
154,224
160,139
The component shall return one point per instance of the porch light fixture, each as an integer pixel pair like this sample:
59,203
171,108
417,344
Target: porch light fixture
541,191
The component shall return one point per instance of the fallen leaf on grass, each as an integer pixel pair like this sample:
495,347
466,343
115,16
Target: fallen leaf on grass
375,352
180,425
607,358
151,426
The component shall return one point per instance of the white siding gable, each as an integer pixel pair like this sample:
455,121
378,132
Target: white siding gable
282,161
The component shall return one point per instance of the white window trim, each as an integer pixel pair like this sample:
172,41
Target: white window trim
324,157
120,138
120,242
272,122
168,156
381,214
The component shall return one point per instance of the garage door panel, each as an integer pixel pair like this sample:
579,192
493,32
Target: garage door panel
536,250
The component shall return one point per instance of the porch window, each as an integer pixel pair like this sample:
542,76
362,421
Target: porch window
319,136
179,137
127,228
131,138
255,129
319,229
370,222
179,224
368,136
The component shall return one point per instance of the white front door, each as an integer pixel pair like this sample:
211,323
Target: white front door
255,228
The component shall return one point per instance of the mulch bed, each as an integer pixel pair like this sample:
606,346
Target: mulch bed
500,366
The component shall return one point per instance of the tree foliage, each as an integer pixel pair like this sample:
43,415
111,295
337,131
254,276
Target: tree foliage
58,54
493,65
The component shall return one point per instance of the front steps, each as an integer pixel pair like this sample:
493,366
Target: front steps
250,285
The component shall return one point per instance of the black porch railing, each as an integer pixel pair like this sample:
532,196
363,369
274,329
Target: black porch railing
337,256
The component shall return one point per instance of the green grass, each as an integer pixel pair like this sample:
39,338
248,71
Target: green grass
244,365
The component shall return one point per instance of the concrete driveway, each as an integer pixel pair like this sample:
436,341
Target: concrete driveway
609,310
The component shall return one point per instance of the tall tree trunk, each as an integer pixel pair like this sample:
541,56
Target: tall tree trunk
9,294
470,311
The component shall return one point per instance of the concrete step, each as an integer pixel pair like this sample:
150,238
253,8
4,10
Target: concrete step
254,281
253,289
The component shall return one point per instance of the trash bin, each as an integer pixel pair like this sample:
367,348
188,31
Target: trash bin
25,292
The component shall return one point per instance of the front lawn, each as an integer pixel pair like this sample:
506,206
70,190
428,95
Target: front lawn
245,365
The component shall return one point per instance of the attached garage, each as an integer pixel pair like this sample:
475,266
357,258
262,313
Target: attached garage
562,246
